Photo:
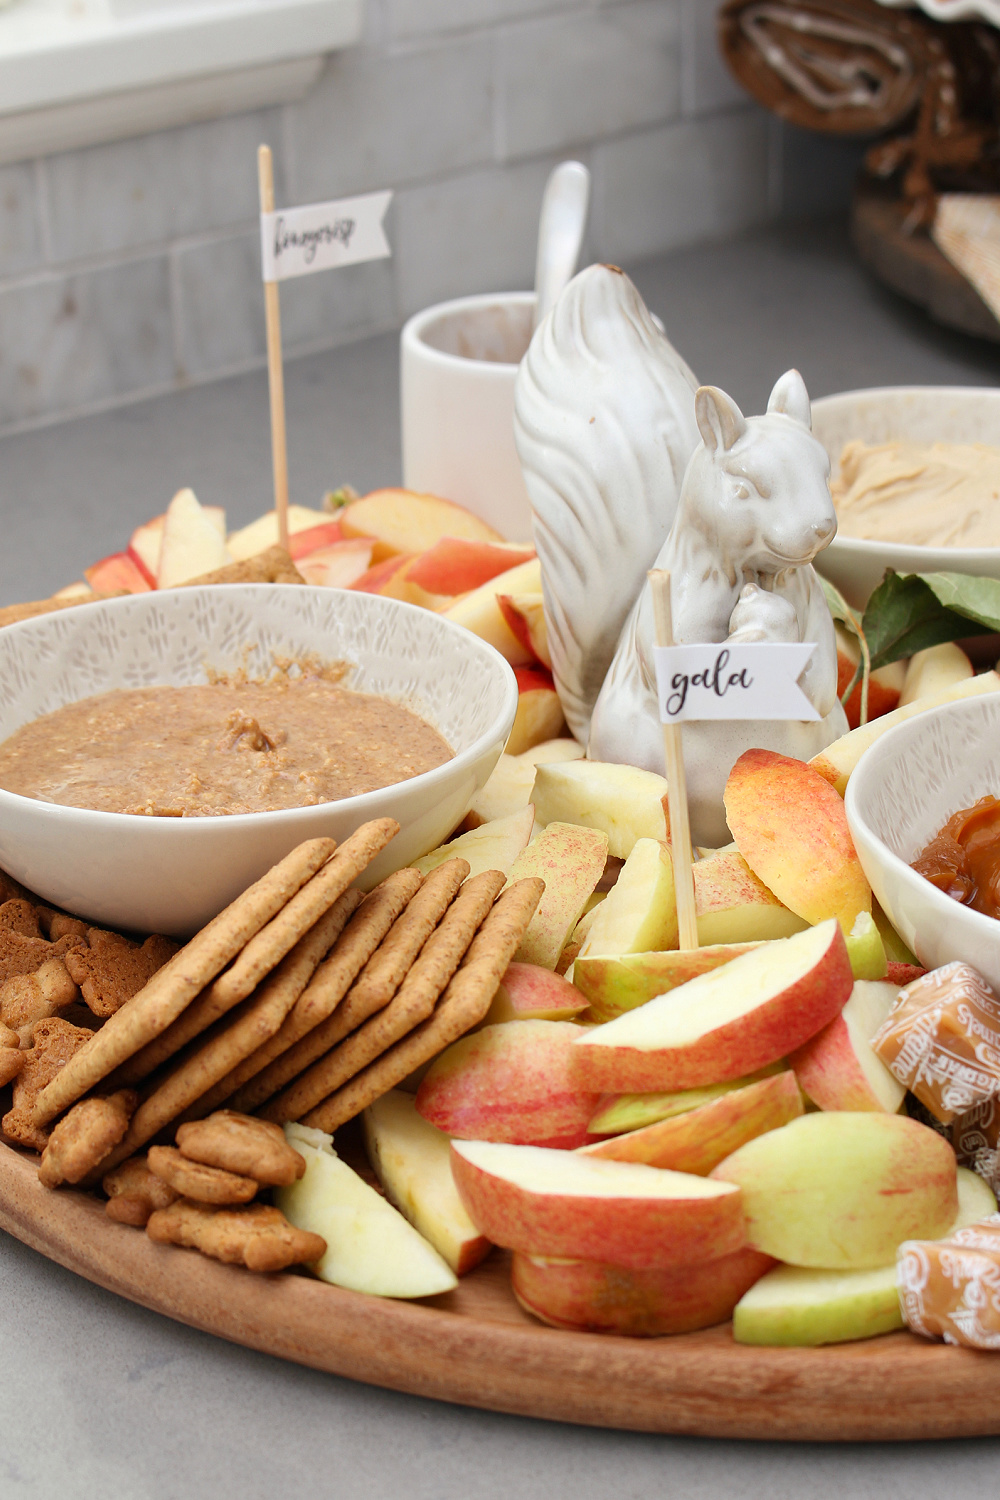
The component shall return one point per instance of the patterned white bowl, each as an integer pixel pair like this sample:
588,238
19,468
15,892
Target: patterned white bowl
171,875
902,791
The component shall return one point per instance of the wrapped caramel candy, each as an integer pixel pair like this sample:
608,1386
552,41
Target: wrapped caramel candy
975,1137
942,1040
950,1289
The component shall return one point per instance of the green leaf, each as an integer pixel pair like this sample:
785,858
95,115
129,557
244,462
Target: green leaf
905,615
976,598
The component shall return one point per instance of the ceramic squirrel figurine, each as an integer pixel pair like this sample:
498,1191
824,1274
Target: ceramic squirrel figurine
753,511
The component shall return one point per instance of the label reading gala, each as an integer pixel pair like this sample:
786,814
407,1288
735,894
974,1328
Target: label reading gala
732,680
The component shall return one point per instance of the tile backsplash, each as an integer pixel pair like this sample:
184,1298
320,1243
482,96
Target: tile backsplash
132,268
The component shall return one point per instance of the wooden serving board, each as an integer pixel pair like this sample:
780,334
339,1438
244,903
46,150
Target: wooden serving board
476,1347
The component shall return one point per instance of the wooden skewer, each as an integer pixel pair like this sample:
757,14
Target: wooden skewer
680,827
275,371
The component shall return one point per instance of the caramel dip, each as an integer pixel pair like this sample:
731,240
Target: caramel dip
963,859
226,747
925,495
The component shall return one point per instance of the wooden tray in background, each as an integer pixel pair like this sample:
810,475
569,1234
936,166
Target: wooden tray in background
476,1347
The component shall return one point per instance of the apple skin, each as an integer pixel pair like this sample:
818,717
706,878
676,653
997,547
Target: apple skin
840,1190
404,521
613,1059
791,828
614,985
837,1068
525,616
530,993
628,1228
509,1082
122,570
480,612
376,580
619,1113
593,1297
698,1140
571,861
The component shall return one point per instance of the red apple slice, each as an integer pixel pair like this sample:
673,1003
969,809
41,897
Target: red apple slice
731,1021
375,580
598,1298
510,1082
698,1140
530,993
539,714
144,547
337,566
456,565
562,1203
838,1068
525,615
404,521
313,538
118,571
614,985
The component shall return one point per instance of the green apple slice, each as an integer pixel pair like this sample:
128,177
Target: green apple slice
866,949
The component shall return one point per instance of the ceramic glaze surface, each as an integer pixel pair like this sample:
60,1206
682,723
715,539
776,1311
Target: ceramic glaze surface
902,792
172,874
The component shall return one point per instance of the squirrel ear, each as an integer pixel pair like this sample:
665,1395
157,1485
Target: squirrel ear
720,421
792,399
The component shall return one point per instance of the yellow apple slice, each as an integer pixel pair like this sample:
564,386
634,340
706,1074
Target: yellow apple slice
405,521
615,985
370,1246
571,861
934,671
530,993
480,613
191,544
509,787
412,1161
620,1112
640,911
491,846
735,906
625,803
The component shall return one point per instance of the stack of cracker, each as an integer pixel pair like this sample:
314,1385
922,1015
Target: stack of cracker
303,1000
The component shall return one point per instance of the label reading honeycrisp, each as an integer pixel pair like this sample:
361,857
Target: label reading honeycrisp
736,680
322,236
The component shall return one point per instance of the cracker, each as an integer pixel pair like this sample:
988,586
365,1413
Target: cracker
239,1143
463,1005
84,1136
110,969
205,1010
31,997
193,1179
175,985
440,957
17,915
54,1043
199,1070
134,1193
271,1066
258,1237
273,565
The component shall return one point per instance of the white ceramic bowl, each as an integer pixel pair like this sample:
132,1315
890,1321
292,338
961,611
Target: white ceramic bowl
902,791
927,414
171,875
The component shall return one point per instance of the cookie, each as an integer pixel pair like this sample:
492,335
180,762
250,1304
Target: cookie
19,916
31,997
134,1193
193,1179
84,1136
239,1143
110,969
258,1237
54,1043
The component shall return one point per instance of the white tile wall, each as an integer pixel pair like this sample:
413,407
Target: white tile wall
132,267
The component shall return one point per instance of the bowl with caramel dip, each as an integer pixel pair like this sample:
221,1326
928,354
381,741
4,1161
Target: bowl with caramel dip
159,752
923,806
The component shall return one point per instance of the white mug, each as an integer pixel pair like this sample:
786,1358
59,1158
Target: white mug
458,361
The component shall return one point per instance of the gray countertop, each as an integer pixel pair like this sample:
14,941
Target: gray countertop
101,1397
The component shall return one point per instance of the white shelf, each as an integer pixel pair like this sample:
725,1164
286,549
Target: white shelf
73,72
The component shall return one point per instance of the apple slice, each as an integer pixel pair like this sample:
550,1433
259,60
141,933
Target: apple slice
525,615
510,1082
377,578
302,523
539,716
617,1113
795,1306
791,828
144,548
78,590
734,906
842,1191
338,565
698,1140
884,684
452,566
640,911
896,951
625,803
491,846
838,760
731,1021
509,787
191,542
530,993
548,1202
370,1246
934,671
597,1298
480,613
865,948
412,1161
119,571
404,521
571,861
614,985
837,1068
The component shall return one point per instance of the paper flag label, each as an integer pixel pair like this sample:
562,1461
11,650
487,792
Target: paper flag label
734,680
321,236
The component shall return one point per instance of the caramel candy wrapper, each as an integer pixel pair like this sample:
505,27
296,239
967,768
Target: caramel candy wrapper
950,1289
942,1040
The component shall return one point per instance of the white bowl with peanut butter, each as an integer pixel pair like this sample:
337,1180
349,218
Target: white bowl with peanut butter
915,473
159,752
